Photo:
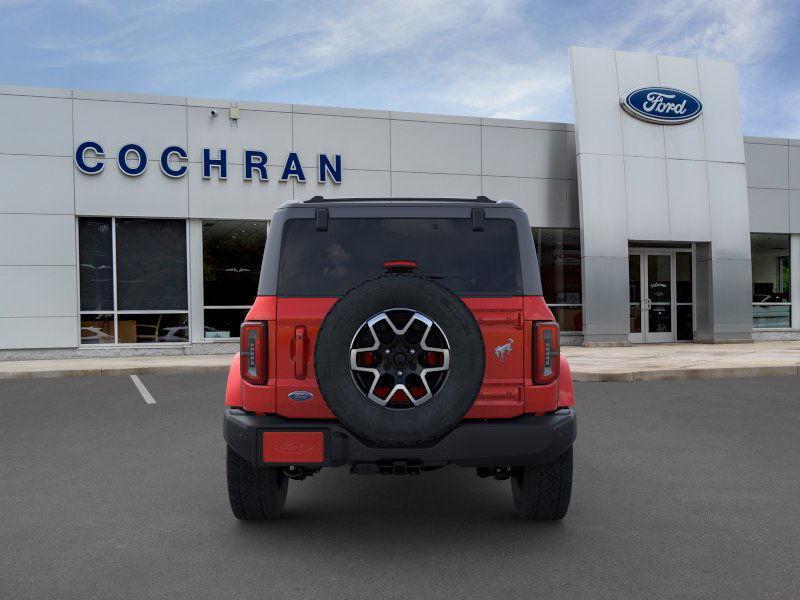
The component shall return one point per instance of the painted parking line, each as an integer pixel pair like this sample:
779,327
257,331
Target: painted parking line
148,397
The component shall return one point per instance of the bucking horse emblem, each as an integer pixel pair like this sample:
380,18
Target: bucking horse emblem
501,351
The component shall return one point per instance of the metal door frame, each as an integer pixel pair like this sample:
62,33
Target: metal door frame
645,337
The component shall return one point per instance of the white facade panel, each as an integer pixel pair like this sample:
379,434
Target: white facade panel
433,118
727,197
114,124
686,141
338,111
519,152
598,128
573,204
128,97
35,125
678,72
495,122
767,166
38,291
569,155
356,184
269,132
25,90
648,205
421,185
794,211
687,184
636,70
38,332
114,194
436,148
544,200
722,120
794,167
237,199
27,239
36,184
363,143
602,200
225,105
769,210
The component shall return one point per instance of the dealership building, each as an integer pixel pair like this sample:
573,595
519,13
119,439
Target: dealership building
135,224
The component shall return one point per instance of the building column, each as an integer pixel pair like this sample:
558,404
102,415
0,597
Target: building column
604,250
196,317
794,262
724,298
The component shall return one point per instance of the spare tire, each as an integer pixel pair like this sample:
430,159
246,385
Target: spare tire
399,359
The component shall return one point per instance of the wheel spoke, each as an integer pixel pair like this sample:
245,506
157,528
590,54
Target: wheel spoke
399,360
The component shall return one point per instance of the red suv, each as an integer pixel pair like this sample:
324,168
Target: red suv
398,336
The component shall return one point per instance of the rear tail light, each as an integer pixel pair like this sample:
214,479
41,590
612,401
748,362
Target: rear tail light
253,350
546,348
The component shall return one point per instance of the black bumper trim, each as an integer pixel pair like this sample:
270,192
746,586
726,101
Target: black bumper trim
525,440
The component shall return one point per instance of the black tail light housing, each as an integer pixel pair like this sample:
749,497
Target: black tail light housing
546,350
253,351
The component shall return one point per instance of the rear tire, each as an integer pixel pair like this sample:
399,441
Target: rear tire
542,492
255,493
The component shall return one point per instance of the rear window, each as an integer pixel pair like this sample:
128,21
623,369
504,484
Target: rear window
329,263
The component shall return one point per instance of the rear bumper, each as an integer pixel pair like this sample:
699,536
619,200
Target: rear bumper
526,440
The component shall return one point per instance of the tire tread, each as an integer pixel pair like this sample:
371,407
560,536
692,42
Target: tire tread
255,493
543,492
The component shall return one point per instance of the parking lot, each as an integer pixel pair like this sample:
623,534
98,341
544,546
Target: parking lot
682,490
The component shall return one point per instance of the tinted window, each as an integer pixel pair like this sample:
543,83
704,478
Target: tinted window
559,254
232,252
328,263
772,285
96,264
151,264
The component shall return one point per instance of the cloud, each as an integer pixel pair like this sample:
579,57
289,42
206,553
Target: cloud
738,30
355,32
504,58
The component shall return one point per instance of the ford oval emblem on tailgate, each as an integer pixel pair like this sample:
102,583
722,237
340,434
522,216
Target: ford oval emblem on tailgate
300,396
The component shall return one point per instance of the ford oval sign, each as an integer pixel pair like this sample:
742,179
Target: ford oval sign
300,396
662,105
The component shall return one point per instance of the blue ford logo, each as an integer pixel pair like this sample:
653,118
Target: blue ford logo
663,105
300,396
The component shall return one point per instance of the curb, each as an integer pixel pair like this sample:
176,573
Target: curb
688,373
577,375
112,371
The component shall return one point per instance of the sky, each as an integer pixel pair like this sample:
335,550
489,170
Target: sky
496,58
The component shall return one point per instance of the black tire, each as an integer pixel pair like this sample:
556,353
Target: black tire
255,493
428,420
542,492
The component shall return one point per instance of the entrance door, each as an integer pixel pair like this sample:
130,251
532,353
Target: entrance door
660,295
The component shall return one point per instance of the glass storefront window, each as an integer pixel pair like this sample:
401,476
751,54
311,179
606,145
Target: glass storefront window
232,252
151,264
96,264
559,254
771,280
133,278
97,328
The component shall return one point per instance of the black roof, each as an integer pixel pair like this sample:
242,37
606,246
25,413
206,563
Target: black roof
476,200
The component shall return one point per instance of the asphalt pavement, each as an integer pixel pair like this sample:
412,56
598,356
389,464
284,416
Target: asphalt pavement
683,489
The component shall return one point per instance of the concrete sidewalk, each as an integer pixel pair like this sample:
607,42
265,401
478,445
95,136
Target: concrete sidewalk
123,365
654,362
632,363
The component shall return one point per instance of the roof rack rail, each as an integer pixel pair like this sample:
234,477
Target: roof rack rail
477,199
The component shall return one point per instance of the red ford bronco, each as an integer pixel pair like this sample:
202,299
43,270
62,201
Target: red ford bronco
399,336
